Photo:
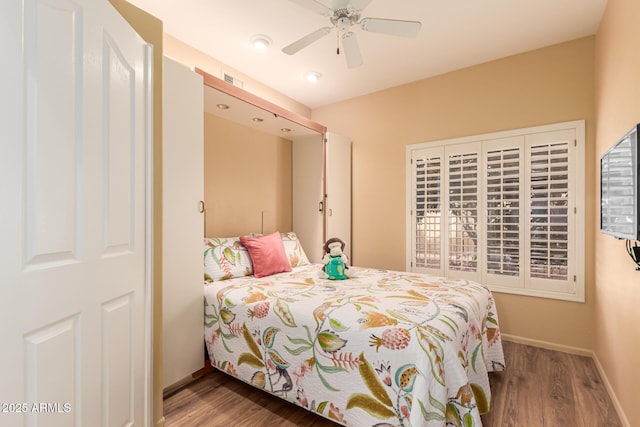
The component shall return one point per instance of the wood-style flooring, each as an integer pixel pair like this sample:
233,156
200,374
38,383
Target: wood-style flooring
539,388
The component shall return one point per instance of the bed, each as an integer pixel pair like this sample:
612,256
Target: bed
382,348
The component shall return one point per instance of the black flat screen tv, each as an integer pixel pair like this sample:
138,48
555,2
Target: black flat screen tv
619,185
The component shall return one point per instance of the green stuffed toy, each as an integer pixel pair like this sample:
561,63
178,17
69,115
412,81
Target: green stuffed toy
335,261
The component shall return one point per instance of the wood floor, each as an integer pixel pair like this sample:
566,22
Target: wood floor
539,388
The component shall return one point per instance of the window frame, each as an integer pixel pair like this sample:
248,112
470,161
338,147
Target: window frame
573,289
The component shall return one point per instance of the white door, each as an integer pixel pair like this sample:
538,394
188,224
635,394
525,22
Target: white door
308,200
338,179
182,222
75,283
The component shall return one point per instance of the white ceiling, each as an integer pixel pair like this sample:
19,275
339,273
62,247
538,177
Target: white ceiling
455,34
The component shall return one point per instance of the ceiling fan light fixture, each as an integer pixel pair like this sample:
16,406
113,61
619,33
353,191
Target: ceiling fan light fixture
344,15
312,76
261,42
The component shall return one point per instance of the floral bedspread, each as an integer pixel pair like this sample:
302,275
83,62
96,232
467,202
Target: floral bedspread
383,348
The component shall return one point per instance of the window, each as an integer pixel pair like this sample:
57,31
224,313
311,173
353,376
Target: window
503,209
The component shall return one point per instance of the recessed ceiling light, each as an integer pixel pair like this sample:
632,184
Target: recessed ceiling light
261,42
223,106
312,76
285,130
258,120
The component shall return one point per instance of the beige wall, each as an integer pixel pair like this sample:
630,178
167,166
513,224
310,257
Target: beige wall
247,176
617,310
151,30
549,85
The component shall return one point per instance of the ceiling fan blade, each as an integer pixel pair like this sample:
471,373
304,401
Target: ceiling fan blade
339,4
314,6
360,5
306,40
351,50
391,26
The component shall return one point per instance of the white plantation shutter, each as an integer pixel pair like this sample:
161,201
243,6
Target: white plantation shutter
504,184
502,209
551,217
427,210
462,177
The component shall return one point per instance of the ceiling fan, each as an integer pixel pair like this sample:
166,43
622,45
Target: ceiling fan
343,15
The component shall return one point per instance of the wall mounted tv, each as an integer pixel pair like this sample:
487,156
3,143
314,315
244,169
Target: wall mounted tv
619,186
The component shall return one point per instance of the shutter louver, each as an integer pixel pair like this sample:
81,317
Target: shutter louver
549,213
427,212
463,212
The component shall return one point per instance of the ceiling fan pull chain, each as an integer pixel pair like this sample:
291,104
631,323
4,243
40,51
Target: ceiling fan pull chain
338,42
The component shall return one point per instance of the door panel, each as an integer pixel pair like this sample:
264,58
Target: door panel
75,286
52,371
308,198
119,150
118,362
52,143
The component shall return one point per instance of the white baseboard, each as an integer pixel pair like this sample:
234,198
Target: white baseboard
580,352
607,385
548,345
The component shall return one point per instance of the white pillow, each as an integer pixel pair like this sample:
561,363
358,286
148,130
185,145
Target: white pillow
293,248
225,258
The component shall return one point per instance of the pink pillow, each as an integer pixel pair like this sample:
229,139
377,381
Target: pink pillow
267,254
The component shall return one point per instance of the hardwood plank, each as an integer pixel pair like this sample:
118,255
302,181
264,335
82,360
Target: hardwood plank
559,407
539,388
591,395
